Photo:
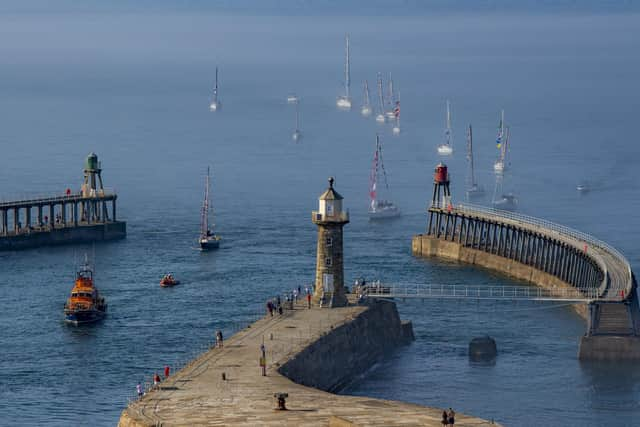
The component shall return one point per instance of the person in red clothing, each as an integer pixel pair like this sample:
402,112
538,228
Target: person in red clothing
156,379
308,300
166,371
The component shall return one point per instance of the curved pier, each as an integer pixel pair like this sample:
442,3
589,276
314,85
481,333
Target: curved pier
548,255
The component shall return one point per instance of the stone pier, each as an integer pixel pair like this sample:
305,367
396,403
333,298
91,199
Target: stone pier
310,353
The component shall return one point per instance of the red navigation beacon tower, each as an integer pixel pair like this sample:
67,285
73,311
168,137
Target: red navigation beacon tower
441,193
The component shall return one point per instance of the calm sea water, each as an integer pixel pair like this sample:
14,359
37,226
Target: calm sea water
135,89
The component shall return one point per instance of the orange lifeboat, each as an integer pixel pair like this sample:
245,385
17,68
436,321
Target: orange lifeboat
85,304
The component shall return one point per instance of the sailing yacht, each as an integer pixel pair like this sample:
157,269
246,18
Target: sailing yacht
380,208
506,201
215,105
366,106
380,116
502,141
208,239
396,116
297,134
292,99
446,149
391,101
474,190
344,101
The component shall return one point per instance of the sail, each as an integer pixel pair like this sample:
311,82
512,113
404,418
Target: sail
347,70
448,136
366,93
500,131
215,89
472,178
380,95
373,179
204,220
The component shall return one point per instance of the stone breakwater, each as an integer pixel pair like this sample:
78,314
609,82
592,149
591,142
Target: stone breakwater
309,352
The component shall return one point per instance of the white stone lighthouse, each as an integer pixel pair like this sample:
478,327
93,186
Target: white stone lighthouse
330,218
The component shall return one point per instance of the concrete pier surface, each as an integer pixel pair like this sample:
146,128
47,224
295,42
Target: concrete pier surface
323,348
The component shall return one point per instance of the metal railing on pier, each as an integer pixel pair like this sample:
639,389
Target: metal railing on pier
476,292
617,281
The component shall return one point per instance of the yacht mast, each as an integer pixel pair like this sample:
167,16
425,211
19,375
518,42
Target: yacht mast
205,207
347,70
470,156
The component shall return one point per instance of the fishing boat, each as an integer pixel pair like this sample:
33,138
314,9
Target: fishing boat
446,149
215,105
208,239
168,281
297,134
474,190
344,101
85,304
502,142
379,207
366,106
380,118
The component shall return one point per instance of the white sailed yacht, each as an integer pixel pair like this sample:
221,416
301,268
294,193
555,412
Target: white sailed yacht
208,239
297,134
344,101
396,116
446,149
215,105
390,101
380,116
366,106
474,190
502,142
380,208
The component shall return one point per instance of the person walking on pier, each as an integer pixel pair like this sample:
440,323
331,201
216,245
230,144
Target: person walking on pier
445,419
308,300
219,340
156,380
452,417
270,308
139,390
166,372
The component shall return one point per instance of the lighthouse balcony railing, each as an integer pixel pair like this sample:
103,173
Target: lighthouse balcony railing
338,217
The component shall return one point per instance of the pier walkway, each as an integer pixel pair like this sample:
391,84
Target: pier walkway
317,340
551,256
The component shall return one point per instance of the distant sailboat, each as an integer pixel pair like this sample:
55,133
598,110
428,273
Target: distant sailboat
208,239
391,101
502,142
501,199
380,116
474,190
380,208
366,106
292,98
215,105
396,116
297,134
344,101
446,149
